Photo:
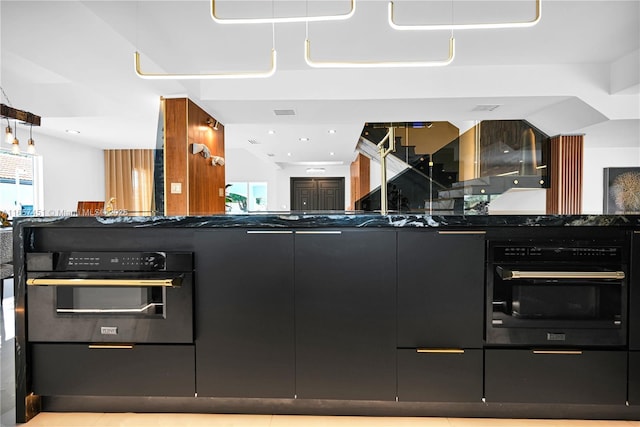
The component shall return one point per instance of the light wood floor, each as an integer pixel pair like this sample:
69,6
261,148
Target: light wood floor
209,420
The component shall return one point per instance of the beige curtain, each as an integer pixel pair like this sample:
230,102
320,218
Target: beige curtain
129,179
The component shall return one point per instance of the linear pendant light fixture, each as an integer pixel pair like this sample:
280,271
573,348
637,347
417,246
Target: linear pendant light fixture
281,20
204,76
378,64
452,26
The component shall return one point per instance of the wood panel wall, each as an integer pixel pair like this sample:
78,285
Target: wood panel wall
360,179
203,185
565,194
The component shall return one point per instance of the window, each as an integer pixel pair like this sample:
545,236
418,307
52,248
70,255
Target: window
20,184
243,197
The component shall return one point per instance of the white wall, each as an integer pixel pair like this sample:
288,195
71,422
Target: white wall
613,144
71,172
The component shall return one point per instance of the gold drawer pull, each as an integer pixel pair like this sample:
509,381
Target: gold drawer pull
440,350
111,346
570,352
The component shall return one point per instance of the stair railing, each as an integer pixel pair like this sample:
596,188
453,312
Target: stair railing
384,152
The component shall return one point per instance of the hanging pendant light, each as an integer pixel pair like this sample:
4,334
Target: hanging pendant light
274,20
452,26
379,64
15,145
8,133
31,145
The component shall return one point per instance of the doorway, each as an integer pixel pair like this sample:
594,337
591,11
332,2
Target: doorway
317,194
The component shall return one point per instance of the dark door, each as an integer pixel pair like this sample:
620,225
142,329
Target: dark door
345,314
317,194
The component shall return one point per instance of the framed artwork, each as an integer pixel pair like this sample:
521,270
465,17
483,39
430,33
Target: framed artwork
621,190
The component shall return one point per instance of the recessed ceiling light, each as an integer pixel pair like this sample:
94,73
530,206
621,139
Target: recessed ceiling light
289,154
315,170
304,139
72,131
271,132
332,131
332,153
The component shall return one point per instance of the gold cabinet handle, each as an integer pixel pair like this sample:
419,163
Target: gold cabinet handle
565,352
104,282
440,350
111,346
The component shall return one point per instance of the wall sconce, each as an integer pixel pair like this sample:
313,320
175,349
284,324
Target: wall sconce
212,124
217,161
200,149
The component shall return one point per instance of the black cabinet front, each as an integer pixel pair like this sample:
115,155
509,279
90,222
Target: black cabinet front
345,314
426,375
244,306
634,294
544,376
440,289
116,370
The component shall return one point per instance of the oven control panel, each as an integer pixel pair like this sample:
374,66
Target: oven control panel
555,253
118,261
110,261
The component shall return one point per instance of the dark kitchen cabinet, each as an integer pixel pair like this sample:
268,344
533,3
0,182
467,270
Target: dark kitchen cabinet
634,378
440,316
437,375
141,370
345,314
572,377
634,294
245,314
440,289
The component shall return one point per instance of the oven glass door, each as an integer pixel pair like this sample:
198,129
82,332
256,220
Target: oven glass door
147,301
553,296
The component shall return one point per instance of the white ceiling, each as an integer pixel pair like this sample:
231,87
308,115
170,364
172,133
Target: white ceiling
71,62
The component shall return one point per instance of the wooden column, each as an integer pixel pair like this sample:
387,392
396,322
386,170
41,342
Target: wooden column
198,187
360,177
565,194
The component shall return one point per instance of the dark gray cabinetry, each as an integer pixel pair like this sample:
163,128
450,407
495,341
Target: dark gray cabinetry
345,314
142,370
580,377
431,375
440,315
245,314
634,294
634,378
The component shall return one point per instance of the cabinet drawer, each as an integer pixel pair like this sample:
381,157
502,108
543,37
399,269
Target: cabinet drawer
144,370
634,378
440,376
526,376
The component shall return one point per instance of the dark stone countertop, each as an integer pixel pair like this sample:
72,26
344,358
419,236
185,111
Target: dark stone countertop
335,220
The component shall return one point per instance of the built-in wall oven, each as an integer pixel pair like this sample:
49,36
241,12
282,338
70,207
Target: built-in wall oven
557,292
114,297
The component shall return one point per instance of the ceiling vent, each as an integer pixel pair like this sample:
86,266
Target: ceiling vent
253,141
485,107
284,112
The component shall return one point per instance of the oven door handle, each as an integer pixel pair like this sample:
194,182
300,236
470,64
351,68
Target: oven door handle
506,274
44,281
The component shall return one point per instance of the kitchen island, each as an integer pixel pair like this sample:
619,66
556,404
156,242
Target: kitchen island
324,314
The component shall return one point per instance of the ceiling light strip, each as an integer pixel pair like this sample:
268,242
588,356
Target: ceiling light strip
483,26
281,20
378,64
222,75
